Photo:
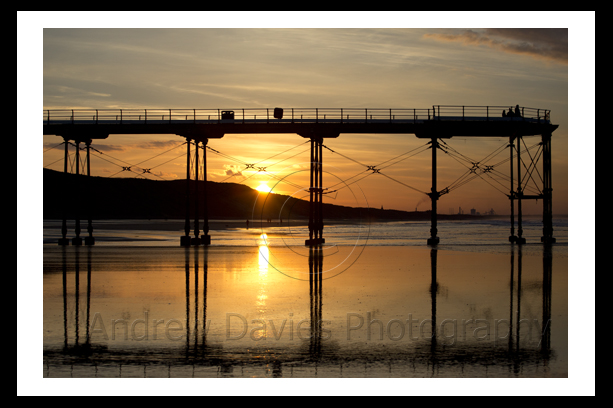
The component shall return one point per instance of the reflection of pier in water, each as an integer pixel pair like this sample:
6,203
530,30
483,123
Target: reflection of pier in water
318,351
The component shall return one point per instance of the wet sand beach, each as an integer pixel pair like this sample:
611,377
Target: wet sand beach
287,311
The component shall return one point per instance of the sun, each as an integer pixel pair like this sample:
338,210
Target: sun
263,188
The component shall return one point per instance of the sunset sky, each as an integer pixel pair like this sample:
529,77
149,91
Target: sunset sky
235,68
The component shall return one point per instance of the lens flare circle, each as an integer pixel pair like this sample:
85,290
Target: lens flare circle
337,266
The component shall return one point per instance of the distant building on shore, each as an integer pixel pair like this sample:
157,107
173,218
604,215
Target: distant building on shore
475,212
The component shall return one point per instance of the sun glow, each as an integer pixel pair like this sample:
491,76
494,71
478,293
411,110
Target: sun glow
263,188
263,254
263,241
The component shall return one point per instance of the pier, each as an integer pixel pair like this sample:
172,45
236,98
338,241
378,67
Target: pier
197,126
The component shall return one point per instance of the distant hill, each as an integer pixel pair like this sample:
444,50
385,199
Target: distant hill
137,198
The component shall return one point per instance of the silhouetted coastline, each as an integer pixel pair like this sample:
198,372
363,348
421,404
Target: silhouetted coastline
134,198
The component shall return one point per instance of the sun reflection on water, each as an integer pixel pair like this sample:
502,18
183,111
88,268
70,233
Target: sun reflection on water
263,256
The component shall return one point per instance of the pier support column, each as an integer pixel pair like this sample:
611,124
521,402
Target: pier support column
205,238
434,196
77,240
186,239
64,240
89,240
547,192
512,237
520,193
199,207
72,197
316,223
196,240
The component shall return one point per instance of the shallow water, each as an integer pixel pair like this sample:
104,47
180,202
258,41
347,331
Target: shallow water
348,311
482,235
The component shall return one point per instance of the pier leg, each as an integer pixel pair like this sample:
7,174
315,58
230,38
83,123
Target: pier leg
319,234
89,240
196,240
434,195
520,231
205,238
77,240
64,240
311,214
512,237
316,223
186,239
547,192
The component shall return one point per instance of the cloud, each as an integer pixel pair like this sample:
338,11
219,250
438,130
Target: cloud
232,170
99,147
158,144
49,146
109,148
550,44
151,144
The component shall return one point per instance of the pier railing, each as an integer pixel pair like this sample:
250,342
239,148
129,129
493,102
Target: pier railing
454,112
292,115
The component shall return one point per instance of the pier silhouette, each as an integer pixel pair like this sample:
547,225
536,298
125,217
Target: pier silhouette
198,126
